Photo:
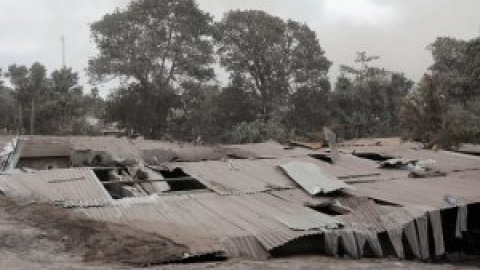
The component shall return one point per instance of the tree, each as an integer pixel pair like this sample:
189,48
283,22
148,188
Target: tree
66,106
236,103
94,103
423,111
308,112
155,46
196,121
449,56
7,107
277,57
471,68
367,99
31,88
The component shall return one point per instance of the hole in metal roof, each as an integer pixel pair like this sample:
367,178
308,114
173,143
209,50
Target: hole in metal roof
178,180
373,156
323,157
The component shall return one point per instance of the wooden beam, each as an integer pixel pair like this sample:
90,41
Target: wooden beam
129,182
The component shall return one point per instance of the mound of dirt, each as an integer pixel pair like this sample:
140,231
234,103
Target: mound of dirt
93,240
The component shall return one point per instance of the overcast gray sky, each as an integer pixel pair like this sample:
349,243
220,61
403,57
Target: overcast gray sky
396,30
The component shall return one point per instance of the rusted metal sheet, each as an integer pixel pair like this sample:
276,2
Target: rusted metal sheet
312,178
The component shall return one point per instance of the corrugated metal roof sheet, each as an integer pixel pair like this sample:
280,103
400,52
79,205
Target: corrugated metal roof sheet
38,148
444,160
252,176
224,218
236,176
309,222
312,178
13,188
165,151
72,187
347,166
422,191
469,148
300,197
273,150
269,210
119,148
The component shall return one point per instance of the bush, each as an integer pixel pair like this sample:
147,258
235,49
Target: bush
258,131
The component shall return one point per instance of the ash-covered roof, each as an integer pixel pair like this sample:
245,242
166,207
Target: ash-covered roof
242,203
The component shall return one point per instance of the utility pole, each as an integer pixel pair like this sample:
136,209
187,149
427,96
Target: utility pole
63,51
32,118
20,120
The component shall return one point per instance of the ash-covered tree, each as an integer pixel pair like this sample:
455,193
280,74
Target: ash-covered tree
444,109
154,46
7,107
449,56
48,104
64,112
195,116
471,68
277,57
367,99
31,90
236,103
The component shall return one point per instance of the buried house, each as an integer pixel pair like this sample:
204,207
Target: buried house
262,200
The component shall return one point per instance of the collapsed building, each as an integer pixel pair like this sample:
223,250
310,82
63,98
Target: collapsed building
368,198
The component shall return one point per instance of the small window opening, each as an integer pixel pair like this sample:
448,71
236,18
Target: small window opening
373,156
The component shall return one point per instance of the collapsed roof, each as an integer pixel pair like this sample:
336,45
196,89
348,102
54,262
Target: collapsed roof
264,200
